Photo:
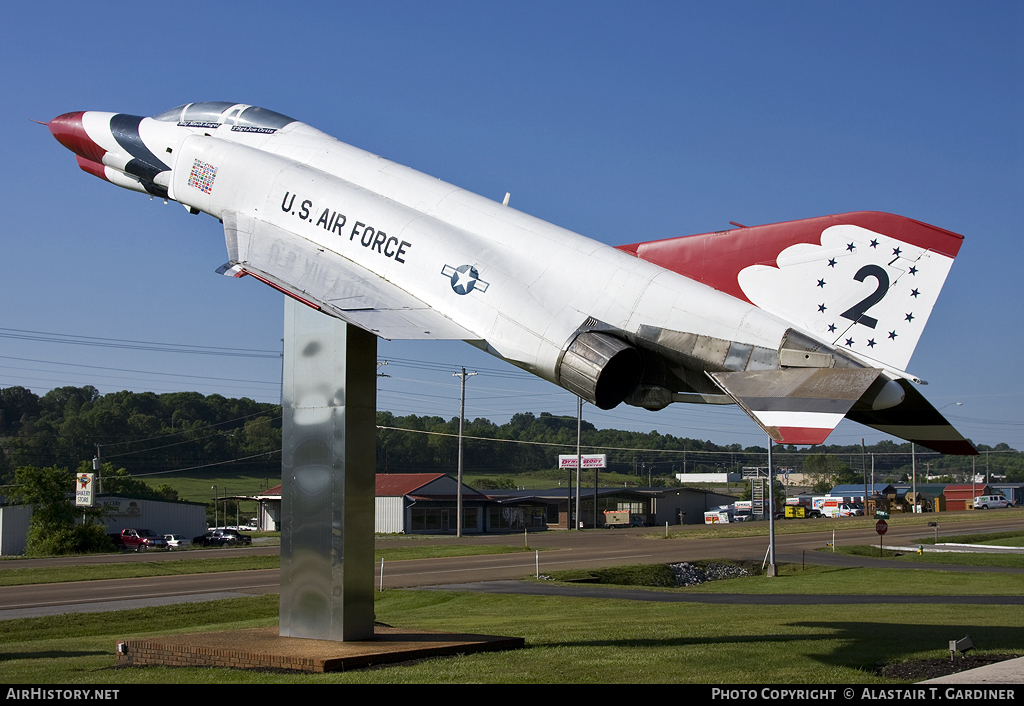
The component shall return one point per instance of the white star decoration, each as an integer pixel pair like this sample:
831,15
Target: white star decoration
862,291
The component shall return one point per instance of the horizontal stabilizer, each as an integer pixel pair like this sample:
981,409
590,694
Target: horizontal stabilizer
916,420
797,405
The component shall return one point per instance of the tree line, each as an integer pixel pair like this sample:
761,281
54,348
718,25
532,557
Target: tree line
45,440
142,432
149,433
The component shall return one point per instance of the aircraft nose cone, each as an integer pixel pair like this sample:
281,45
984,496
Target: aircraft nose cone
70,132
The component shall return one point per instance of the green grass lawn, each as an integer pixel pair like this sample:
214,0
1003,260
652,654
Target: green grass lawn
934,557
11,575
198,488
816,580
1006,542
1009,539
440,550
803,526
94,572
569,640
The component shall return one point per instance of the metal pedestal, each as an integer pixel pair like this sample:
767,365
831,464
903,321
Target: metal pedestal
327,477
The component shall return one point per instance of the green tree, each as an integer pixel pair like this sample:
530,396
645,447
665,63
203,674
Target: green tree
826,471
166,492
52,529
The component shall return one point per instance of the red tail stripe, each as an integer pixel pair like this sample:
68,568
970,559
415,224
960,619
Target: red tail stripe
803,435
716,259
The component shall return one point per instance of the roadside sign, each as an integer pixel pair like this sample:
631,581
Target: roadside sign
881,527
84,489
589,461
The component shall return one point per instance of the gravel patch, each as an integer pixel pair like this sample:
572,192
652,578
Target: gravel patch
688,574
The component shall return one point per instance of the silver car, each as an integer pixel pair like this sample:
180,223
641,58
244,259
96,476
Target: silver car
177,541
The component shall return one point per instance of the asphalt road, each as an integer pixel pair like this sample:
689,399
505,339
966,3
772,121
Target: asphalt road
556,550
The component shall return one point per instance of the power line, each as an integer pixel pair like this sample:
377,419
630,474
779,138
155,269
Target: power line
127,370
125,344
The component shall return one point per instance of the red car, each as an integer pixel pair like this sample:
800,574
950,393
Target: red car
139,540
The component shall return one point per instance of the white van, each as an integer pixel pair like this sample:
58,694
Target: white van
984,502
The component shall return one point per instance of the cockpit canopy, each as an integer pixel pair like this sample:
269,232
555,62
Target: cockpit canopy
241,117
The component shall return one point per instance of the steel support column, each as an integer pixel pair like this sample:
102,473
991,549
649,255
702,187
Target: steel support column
327,477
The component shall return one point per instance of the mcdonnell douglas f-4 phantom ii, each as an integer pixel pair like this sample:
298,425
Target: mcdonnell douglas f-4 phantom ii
800,323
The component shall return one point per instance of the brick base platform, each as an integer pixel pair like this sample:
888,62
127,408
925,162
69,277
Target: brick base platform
263,648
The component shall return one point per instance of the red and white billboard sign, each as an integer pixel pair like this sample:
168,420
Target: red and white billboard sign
588,460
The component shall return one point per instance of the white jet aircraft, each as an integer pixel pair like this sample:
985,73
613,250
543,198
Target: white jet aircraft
800,323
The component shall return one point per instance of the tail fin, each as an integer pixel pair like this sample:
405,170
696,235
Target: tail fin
864,281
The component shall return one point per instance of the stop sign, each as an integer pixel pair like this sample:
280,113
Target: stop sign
881,526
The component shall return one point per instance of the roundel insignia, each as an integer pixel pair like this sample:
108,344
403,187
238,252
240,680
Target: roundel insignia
464,279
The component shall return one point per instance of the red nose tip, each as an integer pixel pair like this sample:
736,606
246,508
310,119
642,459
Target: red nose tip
70,132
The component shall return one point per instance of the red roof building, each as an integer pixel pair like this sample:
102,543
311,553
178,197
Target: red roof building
961,497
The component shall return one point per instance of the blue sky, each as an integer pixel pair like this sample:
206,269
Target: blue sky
622,121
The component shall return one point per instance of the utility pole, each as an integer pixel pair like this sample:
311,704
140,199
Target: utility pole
97,465
462,416
773,570
579,456
864,475
913,467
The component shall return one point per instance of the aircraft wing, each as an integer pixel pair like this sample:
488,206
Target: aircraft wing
330,283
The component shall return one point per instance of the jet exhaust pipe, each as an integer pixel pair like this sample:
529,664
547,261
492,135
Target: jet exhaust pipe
600,368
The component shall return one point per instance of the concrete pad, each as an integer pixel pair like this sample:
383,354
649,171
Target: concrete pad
263,648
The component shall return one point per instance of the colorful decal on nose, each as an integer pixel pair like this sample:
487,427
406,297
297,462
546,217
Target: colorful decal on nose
202,175
464,279
145,165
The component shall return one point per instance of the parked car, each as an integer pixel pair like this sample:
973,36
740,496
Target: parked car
177,541
222,538
987,501
138,540
851,510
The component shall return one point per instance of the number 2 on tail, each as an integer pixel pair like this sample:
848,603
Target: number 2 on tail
856,312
